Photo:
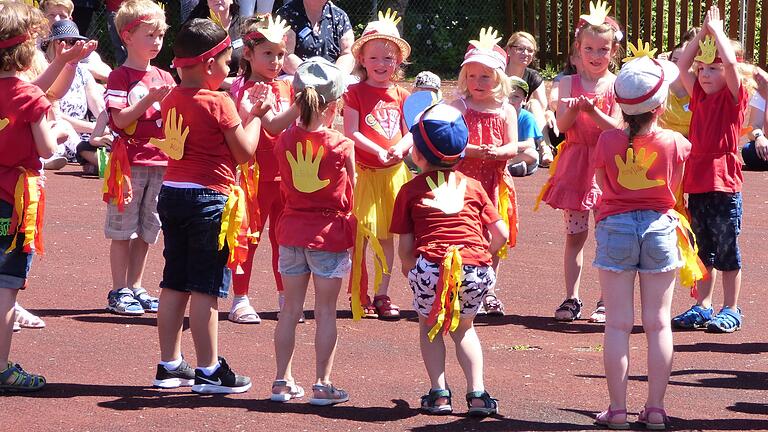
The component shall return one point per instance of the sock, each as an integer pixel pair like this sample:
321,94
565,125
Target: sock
171,365
238,301
208,371
280,300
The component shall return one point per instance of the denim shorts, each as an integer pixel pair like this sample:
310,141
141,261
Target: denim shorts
640,240
295,261
191,220
14,266
716,222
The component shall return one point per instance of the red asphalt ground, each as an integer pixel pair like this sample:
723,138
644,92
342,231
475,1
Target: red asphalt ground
547,375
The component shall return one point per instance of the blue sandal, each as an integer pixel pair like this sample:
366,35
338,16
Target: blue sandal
14,379
726,321
490,407
695,317
429,402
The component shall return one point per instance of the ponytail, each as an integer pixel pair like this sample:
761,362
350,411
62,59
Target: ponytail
310,104
637,122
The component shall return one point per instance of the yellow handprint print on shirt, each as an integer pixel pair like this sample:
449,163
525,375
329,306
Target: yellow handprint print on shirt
3,123
633,173
449,197
304,168
173,143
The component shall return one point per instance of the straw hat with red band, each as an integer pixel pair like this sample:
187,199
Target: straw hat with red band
16,40
183,62
441,135
384,28
486,51
642,84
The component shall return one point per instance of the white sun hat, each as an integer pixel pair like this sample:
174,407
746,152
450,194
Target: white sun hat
643,83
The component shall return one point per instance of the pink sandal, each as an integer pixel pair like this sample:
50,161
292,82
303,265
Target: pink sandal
643,418
605,418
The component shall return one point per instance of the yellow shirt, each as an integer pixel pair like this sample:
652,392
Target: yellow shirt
677,116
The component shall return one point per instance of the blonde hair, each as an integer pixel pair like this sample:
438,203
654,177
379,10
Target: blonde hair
16,19
523,35
309,105
745,69
252,24
500,92
361,73
66,4
132,10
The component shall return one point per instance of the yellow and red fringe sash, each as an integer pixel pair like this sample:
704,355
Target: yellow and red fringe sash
693,270
446,310
28,212
249,182
507,208
232,234
552,171
117,188
359,276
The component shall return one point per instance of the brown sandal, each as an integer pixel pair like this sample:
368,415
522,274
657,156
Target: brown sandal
385,308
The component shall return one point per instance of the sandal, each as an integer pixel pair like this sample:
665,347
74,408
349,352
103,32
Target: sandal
25,319
147,302
294,391
494,306
605,418
598,316
429,402
16,327
385,309
569,310
244,314
695,317
727,320
15,379
368,310
643,418
490,405
334,395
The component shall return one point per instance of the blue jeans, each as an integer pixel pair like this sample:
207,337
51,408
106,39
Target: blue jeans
751,159
191,221
716,222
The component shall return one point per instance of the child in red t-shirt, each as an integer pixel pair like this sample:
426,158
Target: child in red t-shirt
713,176
135,170
263,56
639,170
25,137
444,219
316,229
200,206
373,118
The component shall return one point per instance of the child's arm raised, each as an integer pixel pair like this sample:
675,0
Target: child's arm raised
124,117
499,235
405,251
567,107
242,141
684,63
725,50
274,124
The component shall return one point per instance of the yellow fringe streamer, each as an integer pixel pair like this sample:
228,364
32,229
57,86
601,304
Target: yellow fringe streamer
358,262
28,212
450,273
503,208
249,175
231,223
552,171
692,270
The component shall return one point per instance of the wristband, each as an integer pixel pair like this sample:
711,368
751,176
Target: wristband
757,133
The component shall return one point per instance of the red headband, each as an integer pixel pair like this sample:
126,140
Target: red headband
182,62
720,60
645,97
137,22
16,40
253,36
431,147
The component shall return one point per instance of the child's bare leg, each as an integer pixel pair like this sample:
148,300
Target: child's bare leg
204,324
388,245
119,256
7,315
706,287
618,296
495,261
295,289
573,261
326,294
470,356
731,288
656,291
433,354
137,259
170,321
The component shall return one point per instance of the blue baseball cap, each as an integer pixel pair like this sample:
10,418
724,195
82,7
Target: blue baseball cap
441,135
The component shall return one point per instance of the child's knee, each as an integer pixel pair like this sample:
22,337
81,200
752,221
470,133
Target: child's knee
622,325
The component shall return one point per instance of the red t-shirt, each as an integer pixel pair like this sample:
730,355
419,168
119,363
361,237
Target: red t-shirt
434,231
320,217
380,117
714,165
638,190
265,155
207,160
23,103
125,87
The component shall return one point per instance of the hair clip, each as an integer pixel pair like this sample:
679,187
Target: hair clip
708,51
487,40
643,49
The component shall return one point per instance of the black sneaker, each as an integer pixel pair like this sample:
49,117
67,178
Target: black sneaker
184,375
224,380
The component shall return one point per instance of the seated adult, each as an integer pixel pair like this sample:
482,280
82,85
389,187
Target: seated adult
755,152
318,28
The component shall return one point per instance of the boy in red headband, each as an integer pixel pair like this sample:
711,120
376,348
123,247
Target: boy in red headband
135,170
443,218
201,207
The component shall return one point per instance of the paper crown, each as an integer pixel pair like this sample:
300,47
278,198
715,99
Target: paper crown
383,28
485,50
708,52
643,49
275,31
598,15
